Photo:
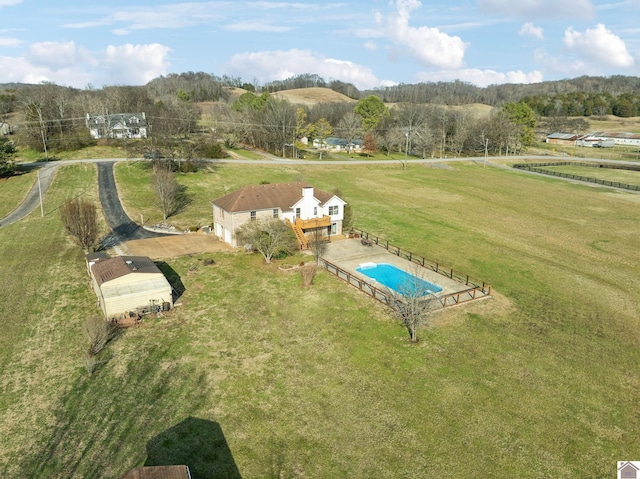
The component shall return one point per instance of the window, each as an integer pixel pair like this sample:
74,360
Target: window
334,210
315,211
253,216
275,212
297,212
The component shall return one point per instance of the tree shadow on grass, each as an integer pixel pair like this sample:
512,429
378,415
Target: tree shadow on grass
197,443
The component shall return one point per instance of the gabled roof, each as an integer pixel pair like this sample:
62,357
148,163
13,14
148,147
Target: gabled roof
112,268
262,197
563,136
124,119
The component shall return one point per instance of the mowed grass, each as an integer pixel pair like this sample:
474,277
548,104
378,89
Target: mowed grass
13,190
628,177
280,381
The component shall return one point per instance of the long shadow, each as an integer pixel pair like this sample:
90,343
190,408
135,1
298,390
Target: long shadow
123,227
197,443
174,279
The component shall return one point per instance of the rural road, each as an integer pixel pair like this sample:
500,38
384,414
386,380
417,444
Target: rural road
32,199
125,229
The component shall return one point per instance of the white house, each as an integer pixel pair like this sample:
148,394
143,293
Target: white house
338,144
299,204
128,283
118,125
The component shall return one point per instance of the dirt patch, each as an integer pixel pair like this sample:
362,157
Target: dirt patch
176,245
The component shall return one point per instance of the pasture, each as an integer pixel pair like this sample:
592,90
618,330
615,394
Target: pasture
278,381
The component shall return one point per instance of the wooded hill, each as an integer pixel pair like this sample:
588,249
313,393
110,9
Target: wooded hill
585,95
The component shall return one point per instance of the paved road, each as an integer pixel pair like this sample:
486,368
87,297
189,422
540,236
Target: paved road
124,228
32,200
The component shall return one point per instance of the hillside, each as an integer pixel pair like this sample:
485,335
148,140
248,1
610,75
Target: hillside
312,96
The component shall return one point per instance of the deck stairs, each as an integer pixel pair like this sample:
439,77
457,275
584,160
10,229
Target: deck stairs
303,242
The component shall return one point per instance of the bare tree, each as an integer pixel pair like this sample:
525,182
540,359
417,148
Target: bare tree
307,274
98,332
268,236
80,218
414,303
318,243
350,128
166,188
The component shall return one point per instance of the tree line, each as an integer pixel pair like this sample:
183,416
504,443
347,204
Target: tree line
421,119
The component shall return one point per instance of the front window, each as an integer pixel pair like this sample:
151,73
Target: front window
315,211
275,212
334,210
253,216
297,212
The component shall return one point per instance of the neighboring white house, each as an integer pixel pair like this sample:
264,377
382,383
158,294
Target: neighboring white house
338,144
299,204
128,283
117,125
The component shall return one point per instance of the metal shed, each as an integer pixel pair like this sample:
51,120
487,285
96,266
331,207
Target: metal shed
129,283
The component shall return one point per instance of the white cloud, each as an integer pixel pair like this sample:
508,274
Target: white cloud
430,46
256,26
371,45
528,29
135,64
67,64
9,42
9,3
176,15
539,8
58,55
280,65
599,45
481,78
19,69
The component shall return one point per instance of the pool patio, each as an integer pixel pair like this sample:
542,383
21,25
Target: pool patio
348,254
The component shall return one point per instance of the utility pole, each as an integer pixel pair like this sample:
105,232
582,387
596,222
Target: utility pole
40,194
486,151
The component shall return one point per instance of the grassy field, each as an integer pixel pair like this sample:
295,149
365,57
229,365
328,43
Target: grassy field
609,174
13,190
255,377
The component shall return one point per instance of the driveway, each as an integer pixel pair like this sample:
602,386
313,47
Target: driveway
123,228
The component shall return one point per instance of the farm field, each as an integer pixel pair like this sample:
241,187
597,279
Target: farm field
255,377
609,174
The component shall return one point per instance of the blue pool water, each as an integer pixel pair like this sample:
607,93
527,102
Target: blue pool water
395,278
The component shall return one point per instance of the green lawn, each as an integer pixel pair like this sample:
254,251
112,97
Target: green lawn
253,376
628,177
14,189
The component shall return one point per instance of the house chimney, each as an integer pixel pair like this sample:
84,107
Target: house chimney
307,192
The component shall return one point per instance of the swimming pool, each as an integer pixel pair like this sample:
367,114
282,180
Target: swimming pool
396,279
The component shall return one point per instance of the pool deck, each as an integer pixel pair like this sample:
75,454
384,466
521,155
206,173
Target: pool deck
348,254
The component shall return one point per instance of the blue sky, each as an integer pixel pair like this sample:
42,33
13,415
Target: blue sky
367,43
